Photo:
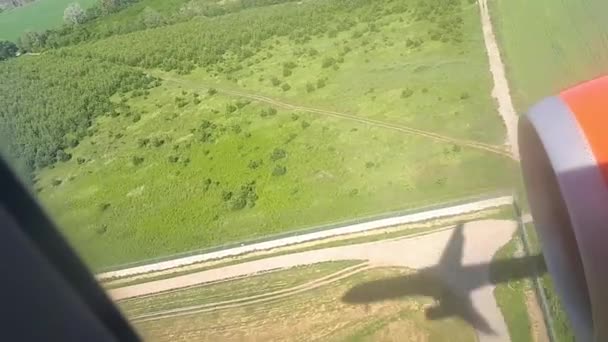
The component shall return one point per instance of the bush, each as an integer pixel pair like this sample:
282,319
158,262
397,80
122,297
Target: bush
295,117
136,118
212,91
143,142
464,96
405,93
285,86
275,81
254,164
80,160
310,87
226,195
158,142
369,164
101,229
173,159
104,206
230,108
56,182
238,203
278,154
286,72
321,83
327,62
279,170
305,124
137,160
63,156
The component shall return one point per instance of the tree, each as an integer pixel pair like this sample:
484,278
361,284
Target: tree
31,41
108,6
151,18
74,14
7,50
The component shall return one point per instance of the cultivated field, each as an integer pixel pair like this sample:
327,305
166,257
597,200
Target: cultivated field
316,313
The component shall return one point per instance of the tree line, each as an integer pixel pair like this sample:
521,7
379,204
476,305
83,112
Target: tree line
49,102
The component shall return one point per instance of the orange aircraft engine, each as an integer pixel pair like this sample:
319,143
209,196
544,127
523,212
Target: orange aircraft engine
563,143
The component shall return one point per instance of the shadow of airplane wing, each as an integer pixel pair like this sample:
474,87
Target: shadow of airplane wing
451,301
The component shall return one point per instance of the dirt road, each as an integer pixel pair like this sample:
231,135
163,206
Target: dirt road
281,242
481,241
367,121
501,91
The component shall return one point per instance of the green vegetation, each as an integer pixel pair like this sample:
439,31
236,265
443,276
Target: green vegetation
549,46
511,298
561,324
197,133
317,311
36,16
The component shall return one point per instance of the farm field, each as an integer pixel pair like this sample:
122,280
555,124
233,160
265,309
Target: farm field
548,46
36,16
314,313
186,140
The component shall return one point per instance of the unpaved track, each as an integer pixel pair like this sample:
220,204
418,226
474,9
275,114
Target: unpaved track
371,122
501,91
266,297
318,235
482,239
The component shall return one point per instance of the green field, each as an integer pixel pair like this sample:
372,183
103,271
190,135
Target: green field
201,133
36,16
313,314
549,46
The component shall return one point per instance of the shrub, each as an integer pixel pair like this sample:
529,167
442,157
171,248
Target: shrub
143,142
226,195
63,156
254,164
310,87
136,117
286,72
278,154
173,159
285,86
327,62
238,203
56,182
137,160
369,164
80,160
320,83
158,142
230,108
212,91
305,124
279,170
405,93
464,96
101,229
295,117
275,81
104,206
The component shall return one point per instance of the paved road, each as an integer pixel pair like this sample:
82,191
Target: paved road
482,239
501,91
353,228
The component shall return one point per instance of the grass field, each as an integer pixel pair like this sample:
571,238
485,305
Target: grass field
179,167
549,46
314,314
511,298
36,16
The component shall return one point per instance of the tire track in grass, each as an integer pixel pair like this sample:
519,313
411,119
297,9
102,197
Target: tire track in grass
260,298
371,122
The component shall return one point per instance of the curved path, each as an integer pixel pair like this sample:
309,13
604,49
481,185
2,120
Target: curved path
482,239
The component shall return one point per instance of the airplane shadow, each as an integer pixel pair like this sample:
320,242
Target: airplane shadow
453,297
